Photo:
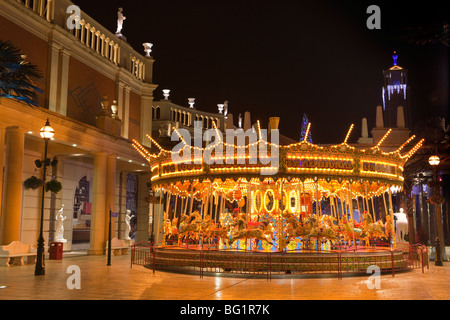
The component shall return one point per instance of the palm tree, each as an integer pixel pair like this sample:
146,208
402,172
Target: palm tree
17,76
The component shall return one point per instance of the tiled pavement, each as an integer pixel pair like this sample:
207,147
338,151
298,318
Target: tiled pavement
120,282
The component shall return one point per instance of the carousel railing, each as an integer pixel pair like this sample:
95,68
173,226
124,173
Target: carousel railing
416,254
208,259
141,253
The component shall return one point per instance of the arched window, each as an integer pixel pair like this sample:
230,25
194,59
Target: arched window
158,113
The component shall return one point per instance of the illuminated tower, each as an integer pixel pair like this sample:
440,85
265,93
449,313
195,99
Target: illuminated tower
395,94
394,113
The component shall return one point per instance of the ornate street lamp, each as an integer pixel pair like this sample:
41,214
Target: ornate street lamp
434,161
46,133
437,201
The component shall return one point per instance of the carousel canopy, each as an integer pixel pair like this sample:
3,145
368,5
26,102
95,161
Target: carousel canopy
326,170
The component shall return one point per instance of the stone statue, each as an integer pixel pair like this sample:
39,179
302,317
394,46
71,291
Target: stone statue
128,217
401,225
59,235
120,19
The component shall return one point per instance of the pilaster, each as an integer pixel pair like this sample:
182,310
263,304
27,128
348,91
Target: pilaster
146,119
98,217
110,198
126,113
2,164
62,106
52,76
12,191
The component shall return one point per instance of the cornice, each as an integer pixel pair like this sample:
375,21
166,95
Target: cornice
68,131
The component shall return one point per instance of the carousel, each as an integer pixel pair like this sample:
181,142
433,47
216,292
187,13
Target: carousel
319,199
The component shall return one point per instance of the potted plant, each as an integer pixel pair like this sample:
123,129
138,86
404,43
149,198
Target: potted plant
53,186
33,183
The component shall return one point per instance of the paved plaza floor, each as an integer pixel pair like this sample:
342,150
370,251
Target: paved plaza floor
97,281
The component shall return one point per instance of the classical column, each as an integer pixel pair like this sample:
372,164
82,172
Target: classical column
146,118
2,164
12,190
126,113
148,69
52,77
110,198
120,103
98,217
122,204
64,57
143,208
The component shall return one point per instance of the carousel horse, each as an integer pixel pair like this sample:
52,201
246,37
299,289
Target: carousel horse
167,226
205,225
371,230
319,232
350,232
294,229
388,227
170,228
262,232
173,229
219,233
188,228
207,229
338,228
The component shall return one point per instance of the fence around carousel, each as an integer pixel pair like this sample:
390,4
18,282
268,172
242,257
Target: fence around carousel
344,260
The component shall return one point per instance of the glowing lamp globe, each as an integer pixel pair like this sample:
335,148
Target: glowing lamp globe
47,131
434,160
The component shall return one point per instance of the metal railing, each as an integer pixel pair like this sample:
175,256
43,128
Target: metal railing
206,260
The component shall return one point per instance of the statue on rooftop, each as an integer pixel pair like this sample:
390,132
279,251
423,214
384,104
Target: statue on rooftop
120,19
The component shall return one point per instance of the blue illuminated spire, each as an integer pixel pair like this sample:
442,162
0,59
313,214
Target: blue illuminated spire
395,57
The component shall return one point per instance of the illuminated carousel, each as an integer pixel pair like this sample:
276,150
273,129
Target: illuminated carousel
316,202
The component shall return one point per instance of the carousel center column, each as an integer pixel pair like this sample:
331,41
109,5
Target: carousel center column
98,216
12,189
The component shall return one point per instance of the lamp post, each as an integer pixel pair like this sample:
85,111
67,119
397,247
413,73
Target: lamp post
437,201
46,133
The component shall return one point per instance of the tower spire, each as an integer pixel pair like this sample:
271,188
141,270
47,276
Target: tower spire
395,57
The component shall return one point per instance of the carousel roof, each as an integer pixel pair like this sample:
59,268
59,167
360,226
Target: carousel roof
331,168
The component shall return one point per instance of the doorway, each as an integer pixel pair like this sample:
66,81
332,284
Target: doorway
81,215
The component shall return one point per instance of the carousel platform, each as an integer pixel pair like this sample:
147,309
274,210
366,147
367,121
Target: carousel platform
337,262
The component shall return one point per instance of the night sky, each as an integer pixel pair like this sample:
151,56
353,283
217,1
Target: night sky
286,58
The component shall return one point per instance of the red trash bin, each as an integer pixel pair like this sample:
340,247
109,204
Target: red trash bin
56,250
